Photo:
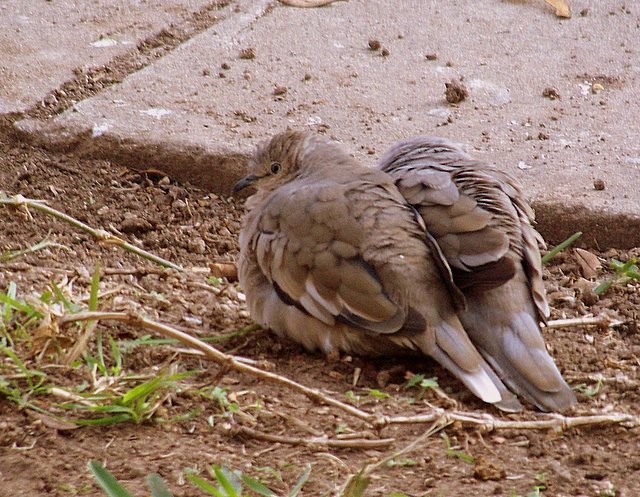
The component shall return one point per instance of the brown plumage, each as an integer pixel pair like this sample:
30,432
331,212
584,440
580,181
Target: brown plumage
482,224
333,256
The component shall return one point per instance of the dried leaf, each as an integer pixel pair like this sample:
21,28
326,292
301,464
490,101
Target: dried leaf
224,270
589,263
561,6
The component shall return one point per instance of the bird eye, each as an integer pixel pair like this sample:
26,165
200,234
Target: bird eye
275,167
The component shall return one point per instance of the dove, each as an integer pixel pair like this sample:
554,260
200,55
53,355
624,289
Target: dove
480,220
333,257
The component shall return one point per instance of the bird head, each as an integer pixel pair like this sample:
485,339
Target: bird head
276,161
290,155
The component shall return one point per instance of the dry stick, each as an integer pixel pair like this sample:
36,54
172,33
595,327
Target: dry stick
358,482
486,421
602,321
316,442
99,234
555,422
215,355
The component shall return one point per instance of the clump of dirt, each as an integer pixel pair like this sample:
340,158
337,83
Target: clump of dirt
455,91
266,430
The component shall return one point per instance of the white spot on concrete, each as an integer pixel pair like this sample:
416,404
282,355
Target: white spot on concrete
440,112
104,43
100,129
488,92
585,88
156,112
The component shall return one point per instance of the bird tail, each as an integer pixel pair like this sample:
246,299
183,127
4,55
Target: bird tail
508,336
453,350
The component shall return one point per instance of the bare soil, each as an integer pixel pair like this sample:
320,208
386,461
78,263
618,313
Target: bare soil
40,455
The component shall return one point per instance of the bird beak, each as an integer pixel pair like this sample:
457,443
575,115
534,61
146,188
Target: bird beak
244,182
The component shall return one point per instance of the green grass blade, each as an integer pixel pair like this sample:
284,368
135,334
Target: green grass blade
301,481
157,486
231,485
12,303
205,486
12,291
559,248
95,286
107,481
603,287
140,391
61,298
100,354
117,356
104,421
356,485
257,486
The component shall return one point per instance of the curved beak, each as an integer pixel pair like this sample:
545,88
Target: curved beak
244,182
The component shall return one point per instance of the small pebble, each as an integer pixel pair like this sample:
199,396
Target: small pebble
598,184
455,92
248,53
551,93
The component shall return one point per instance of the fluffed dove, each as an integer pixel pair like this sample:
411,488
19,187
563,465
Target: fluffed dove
332,256
482,224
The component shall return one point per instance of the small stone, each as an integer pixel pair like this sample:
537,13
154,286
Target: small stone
206,72
598,184
596,88
135,225
543,136
485,470
551,93
431,56
248,53
225,66
455,92
280,91
385,52
374,45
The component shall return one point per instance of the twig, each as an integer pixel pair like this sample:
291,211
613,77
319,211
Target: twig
215,355
316,442
621,381
600,321
487,422
358,482
101,235
8,256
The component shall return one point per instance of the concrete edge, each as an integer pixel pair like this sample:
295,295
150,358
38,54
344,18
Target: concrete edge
216,168
600,229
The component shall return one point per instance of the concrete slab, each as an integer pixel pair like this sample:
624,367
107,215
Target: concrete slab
197,111
43,43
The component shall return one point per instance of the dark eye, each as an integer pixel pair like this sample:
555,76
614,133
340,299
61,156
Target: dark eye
275,167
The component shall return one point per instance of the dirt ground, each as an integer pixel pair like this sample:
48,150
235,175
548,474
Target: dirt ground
41,455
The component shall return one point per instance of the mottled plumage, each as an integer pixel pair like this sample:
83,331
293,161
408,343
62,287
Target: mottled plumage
334,257
480,220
